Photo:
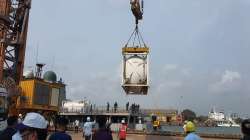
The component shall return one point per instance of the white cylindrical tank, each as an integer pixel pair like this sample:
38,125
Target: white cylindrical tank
135,73
135,70
72,106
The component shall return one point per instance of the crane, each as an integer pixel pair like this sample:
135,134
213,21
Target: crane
14,17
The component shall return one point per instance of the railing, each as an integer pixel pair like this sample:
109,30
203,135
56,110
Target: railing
97,110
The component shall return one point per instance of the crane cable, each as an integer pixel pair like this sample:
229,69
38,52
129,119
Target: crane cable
136,35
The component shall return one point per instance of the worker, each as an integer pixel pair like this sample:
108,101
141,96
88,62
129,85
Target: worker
10,130
108,106
76,125
103,133
115,106
20,118
127,106
189,129
87,129
33,127
122,131
245,129
60,134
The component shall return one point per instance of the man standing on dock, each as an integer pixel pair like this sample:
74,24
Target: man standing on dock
107,106
189,129
77,122
115,107
87,129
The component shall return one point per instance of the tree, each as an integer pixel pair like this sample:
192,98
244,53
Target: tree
238,120
188,115
202,119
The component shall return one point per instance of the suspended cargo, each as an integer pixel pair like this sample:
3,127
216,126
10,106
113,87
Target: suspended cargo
135,70
135,57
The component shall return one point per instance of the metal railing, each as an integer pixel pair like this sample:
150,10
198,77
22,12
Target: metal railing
97,110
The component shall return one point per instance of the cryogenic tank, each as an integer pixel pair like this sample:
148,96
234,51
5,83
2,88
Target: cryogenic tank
71,106
135,70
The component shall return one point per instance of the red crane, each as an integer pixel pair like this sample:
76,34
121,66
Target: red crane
14,17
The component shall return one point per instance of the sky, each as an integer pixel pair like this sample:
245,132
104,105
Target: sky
199,51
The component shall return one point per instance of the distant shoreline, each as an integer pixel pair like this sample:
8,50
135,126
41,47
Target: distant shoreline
170,133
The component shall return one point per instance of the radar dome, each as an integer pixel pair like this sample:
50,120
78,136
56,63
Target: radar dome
28,74
50,76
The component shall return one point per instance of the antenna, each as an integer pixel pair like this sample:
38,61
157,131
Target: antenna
53,63
37,50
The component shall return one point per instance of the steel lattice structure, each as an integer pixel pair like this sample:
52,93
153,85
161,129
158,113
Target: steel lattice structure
14,17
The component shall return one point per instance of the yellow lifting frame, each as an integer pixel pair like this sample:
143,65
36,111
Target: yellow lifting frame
135,50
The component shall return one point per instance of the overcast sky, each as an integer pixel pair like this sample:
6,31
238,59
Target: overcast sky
199,58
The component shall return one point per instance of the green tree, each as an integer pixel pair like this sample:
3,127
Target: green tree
188,115
202,119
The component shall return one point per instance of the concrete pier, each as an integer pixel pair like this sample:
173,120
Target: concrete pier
78,136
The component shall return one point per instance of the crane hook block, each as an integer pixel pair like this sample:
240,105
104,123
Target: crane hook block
136,9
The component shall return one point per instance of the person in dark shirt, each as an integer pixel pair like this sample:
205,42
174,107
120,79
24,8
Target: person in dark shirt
33,127
103,133
245,128
60,133
10,130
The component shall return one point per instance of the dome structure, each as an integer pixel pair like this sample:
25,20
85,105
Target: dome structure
50,76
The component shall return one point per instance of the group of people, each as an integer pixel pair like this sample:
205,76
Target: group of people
115,107
103,132
135,108
33,127
189,129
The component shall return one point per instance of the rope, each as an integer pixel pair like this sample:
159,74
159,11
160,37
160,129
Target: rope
136,35
130,38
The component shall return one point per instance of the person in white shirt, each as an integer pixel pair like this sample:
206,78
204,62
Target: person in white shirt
76,125
87,129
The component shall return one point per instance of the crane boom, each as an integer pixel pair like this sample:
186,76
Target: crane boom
14,17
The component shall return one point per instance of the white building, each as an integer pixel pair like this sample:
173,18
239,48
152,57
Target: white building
217,116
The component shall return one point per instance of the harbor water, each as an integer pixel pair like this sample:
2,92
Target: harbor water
206,130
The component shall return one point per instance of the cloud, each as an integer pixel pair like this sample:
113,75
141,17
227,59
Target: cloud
99,87
230,81
170,67
230,76
177,70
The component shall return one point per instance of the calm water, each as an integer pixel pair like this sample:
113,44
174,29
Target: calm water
206,130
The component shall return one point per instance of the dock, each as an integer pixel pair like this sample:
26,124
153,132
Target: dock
78,136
